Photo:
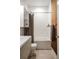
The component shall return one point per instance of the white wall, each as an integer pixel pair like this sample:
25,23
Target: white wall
22,9
49,10
39,9
21,16
41,20
49,15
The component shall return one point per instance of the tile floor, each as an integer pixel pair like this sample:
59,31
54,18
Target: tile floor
44,54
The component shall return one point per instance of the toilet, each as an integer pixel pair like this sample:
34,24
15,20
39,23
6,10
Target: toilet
33,47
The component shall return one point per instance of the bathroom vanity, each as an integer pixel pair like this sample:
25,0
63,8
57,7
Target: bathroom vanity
25,47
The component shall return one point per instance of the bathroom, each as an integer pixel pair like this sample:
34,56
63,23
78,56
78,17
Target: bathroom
36,29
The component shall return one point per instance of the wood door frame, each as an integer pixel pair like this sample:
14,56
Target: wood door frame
54,21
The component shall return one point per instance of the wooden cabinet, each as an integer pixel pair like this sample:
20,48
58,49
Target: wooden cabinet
25,49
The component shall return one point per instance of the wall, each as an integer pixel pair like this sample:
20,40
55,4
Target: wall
21,16
50,17
39,9
23,19
42,18
49,10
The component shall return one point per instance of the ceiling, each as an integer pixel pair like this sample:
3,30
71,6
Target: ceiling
35,3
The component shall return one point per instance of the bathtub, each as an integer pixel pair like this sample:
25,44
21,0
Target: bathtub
43,43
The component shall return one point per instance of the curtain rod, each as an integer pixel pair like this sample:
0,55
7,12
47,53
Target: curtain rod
42,12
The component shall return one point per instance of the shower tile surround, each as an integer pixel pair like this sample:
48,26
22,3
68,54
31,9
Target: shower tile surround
21,31
24,31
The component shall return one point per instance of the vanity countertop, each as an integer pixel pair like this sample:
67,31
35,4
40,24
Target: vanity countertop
23,40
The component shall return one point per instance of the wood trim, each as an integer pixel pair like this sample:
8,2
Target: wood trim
54,12
54,24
